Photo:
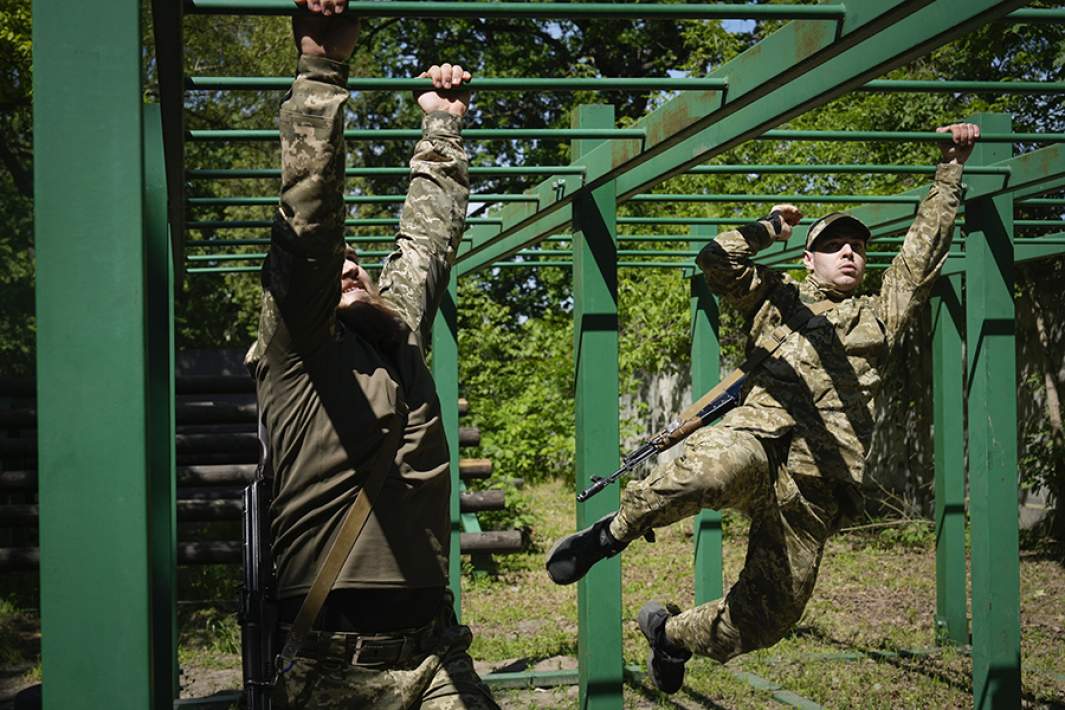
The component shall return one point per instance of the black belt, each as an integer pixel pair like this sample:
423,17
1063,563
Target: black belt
390,650
371,611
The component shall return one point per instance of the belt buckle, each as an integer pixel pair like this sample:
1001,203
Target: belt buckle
373,652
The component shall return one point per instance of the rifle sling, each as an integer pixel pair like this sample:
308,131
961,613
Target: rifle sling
779,335
350,529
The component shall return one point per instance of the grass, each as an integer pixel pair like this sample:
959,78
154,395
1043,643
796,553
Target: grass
875,600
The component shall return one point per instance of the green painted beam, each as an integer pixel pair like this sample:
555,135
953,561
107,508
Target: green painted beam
1029,174
405,134
907,136
523,84
397,170
1039,248
705,374
536,10
1037,14
96,416
598,437
243,201
279,83
851,168
365,222
956,86
801,66
948,320
445,366
992,403
161,469
773,199
167,28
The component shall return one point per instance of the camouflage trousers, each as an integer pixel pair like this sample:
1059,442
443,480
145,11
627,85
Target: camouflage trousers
791,519
438,675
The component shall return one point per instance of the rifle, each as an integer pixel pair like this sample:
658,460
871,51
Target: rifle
714,403
677,431
258,598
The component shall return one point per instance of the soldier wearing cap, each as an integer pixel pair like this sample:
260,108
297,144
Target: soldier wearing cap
790,456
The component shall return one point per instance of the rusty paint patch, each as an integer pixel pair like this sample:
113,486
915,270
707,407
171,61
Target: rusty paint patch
811,37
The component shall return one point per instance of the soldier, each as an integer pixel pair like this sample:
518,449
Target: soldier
344,391
790,456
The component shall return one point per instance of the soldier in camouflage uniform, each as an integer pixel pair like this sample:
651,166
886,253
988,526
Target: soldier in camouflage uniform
339,365
790,456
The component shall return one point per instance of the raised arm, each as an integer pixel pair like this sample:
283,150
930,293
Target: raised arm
415,274
908,281
301,276
727,265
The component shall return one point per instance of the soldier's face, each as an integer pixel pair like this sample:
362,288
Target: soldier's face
356,284
838,260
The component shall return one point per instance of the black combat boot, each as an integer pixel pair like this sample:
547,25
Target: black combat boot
572,556
666,662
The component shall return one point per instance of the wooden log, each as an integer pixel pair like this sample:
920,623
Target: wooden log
475,468
496,541
202,511
215,413
218,475
478,501
18,480
14,559
18,514
469,436
25,418
19,559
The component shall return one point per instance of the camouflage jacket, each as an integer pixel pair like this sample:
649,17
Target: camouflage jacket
329,395
816,392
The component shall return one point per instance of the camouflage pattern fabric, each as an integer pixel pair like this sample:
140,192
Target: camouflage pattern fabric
791,518
791,455
819,387
438,677
415,275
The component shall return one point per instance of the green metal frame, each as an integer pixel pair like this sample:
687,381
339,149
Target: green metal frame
103,371
445,366
706,373
595,348
113,414
991,355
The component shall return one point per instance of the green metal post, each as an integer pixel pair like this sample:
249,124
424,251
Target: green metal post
952,623
162,479
595,333
95,415
993,437
446,376
706,372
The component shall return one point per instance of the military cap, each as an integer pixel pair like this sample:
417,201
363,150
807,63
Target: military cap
834,224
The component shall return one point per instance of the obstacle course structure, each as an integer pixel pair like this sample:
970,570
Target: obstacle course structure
114,235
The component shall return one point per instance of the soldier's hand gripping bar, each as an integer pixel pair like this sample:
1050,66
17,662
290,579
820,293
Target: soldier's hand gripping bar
676,432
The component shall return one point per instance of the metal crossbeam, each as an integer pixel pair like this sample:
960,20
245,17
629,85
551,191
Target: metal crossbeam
800,66
534,10
1029,174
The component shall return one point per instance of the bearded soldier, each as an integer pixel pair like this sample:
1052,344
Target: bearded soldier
791,455
346,398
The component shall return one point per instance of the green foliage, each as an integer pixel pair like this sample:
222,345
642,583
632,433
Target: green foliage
515,370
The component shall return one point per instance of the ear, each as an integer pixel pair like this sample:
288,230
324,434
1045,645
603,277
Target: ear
808,260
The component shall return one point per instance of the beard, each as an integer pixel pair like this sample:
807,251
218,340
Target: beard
373,320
